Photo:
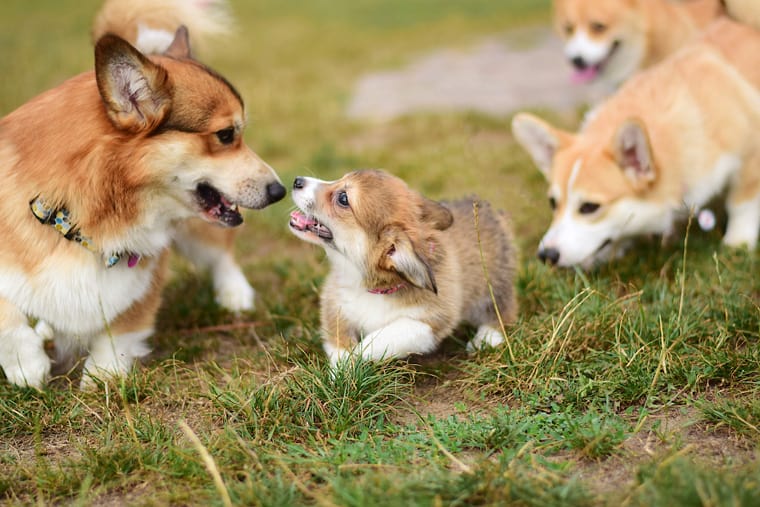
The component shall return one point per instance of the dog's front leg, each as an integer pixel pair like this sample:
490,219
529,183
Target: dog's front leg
400,338
22,351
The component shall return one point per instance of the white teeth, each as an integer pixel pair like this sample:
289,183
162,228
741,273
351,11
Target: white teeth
234,207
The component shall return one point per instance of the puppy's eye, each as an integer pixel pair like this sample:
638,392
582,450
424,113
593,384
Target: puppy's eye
568,28
552,203
226,136
342,199
588,207
598,28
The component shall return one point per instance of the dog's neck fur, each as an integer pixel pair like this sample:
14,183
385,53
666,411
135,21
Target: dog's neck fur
104,202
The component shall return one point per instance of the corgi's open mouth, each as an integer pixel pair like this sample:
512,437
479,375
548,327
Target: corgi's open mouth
215,207
306,224
588,72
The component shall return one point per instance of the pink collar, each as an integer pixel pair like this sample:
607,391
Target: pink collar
385,291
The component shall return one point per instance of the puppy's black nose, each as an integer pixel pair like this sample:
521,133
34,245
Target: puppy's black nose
275,191
299,182
579,63
550,255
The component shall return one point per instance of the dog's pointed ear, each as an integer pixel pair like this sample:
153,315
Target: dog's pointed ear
435,214
401,256
180,46
540,140
633,153
136,92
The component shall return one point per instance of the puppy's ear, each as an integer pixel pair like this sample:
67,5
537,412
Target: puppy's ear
633,153
402,257
136,92
435,214
540,140
180,46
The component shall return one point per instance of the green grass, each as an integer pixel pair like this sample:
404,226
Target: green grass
636,384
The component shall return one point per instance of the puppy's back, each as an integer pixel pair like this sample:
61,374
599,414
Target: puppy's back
478,227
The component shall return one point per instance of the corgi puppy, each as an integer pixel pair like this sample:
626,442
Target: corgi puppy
149,25
610,40
98,171
404,270
668,141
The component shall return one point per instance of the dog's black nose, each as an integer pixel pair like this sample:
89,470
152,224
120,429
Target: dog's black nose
299,182
550,255
579,63
275,191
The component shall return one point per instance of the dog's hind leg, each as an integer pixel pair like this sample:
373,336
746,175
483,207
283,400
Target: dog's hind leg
22,351
113,352
211,247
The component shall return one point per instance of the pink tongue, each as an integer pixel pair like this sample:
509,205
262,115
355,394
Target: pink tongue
300,219
585,75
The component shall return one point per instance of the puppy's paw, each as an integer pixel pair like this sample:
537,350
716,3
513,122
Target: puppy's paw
232,290
486,337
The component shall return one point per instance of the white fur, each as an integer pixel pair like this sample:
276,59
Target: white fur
23,357
113,356
365,311
152,41
743,223
400,338
486,337
583,46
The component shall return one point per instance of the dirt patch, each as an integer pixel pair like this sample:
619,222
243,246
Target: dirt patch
498,76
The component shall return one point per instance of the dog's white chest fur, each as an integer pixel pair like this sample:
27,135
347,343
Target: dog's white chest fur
362,309
75,293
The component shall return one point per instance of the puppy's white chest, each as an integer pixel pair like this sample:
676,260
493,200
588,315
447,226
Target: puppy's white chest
369,312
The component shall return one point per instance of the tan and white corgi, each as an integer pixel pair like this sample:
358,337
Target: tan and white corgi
404,270
610,40
149,25
98,171
666,143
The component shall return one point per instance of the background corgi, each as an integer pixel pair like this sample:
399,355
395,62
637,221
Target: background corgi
88,212
666,143
405,270
149,25
610,40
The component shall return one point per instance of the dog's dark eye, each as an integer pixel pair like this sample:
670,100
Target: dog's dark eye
226,136
598,28
553,203
342,199
588,207
568,28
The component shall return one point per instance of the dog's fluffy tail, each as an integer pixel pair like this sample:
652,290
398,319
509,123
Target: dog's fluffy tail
744,11
149,25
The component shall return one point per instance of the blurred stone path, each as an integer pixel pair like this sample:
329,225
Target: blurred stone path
498,76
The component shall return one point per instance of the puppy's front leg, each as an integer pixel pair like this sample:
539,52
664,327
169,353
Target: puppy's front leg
22,351
398,339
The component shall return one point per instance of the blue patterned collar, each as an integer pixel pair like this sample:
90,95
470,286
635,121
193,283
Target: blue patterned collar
60,220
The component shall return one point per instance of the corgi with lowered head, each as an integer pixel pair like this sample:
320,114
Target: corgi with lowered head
97,173
404,270
610,40
149,25
667,142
